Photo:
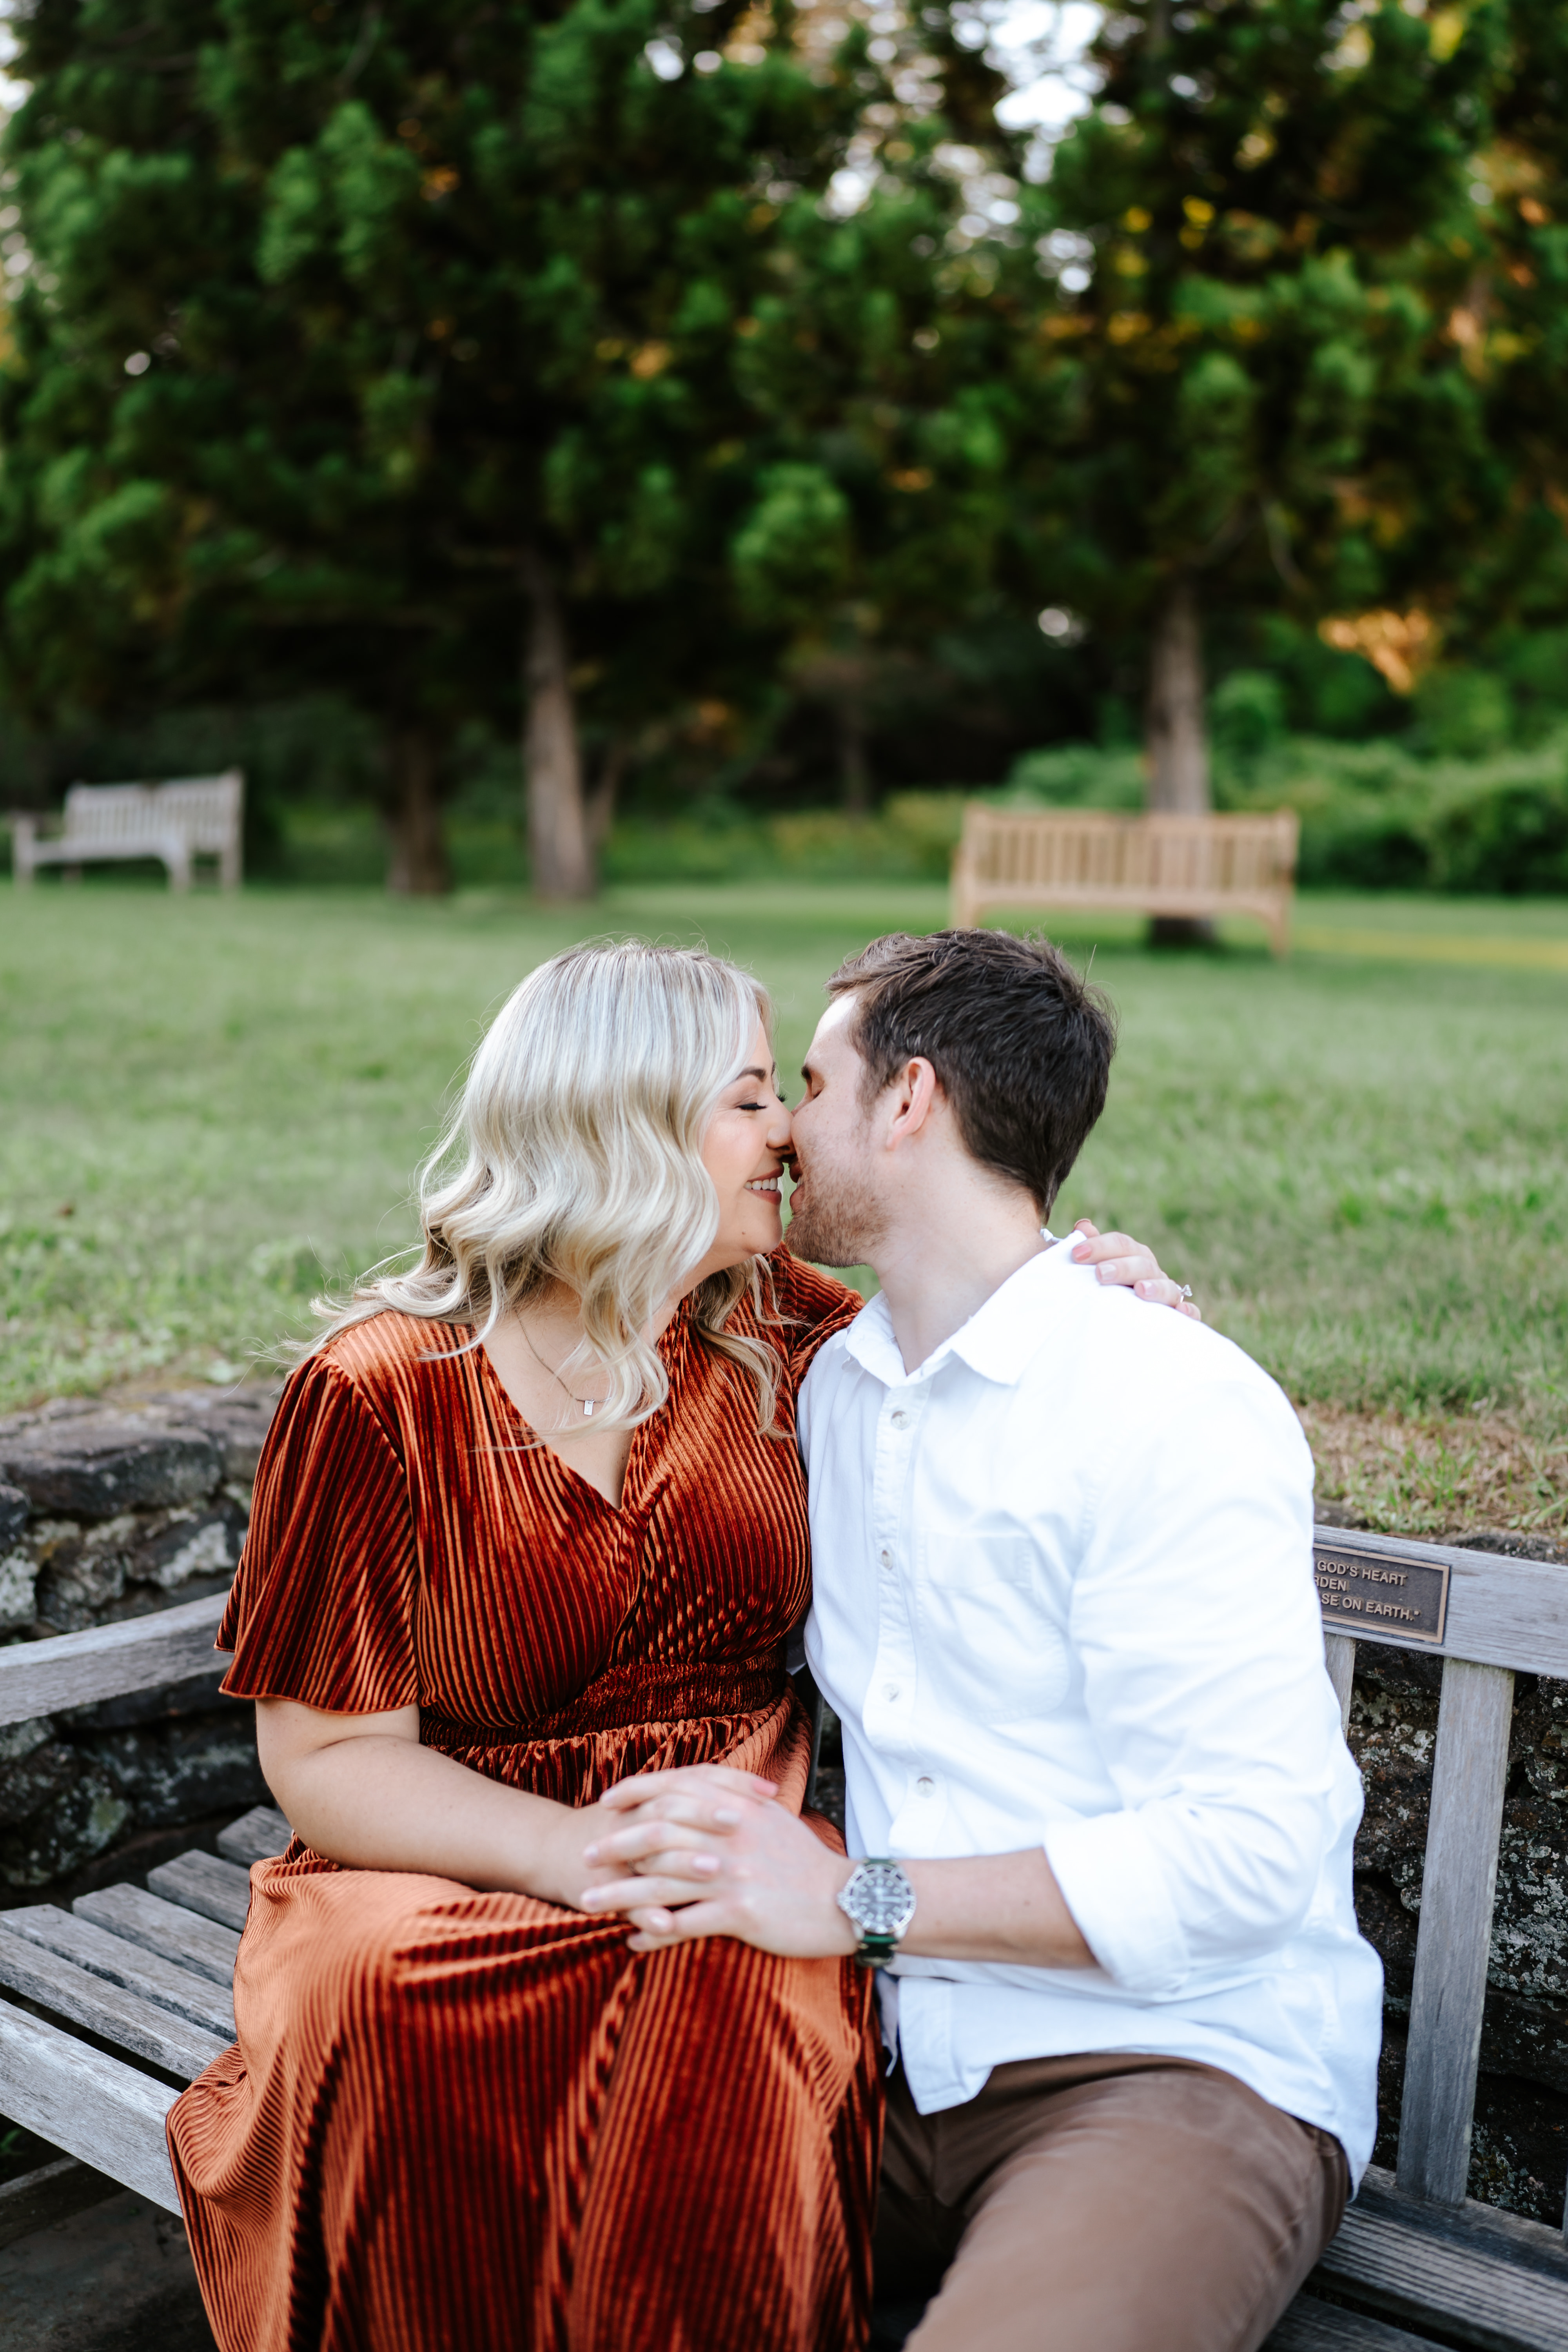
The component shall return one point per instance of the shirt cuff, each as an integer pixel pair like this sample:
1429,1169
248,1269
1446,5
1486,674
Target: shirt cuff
1109,1873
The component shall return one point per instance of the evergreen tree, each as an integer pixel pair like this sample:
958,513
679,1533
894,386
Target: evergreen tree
1257,230
390,348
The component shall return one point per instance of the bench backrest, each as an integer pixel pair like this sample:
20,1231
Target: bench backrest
1087,848
205,810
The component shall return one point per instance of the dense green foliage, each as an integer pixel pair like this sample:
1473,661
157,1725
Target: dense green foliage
440,372
1265,399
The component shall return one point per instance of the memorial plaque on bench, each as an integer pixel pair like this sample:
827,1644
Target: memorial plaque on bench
1395,1599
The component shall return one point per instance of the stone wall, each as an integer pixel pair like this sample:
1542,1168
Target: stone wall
104,1515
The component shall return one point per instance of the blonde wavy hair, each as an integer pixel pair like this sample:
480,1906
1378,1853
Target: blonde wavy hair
575,1157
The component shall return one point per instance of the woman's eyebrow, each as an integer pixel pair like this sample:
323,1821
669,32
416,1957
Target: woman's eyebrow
752,1073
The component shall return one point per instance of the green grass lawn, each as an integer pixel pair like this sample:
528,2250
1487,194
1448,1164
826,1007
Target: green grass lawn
1357,1157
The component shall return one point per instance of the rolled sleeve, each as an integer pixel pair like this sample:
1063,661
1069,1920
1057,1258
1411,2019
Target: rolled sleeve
1114,1884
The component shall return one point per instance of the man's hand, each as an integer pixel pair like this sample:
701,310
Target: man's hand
704,1852
1128,1264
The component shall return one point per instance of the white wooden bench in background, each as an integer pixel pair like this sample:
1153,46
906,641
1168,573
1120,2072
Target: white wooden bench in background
133,1983
196,816
1057,859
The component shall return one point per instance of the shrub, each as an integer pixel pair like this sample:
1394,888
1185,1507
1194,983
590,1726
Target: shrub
1511,836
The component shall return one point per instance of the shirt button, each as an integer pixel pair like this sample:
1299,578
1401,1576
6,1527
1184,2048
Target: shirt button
900,1418
926,1785
891,1690
887,1560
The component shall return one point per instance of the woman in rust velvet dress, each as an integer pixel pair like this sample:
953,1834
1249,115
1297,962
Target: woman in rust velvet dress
530,1522
475,2119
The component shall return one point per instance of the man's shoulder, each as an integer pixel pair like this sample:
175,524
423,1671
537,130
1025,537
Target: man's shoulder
1121,1349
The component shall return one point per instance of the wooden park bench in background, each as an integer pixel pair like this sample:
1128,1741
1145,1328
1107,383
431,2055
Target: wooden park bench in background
111,2007
1193,866
197,816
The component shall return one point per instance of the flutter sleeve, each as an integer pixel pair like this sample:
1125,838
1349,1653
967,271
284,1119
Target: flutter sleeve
812,1305
322,1606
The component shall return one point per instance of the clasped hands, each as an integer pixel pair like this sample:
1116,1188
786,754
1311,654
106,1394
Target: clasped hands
705,1851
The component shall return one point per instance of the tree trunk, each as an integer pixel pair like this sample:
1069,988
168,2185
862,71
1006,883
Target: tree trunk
1177,740
601,802
854,774
418,864
557,820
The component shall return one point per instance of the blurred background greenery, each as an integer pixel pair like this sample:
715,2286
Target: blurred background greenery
700,438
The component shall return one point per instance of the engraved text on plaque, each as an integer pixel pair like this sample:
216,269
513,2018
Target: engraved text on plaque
1367,1592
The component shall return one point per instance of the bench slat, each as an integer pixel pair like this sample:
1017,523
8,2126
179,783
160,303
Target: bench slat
147,1974
74,1669
256,1836
185,1936
106,2010
1312,2326
86,2104
1467,2228
1480,2297
1339,1657
51,2193
218,1890
1454,1934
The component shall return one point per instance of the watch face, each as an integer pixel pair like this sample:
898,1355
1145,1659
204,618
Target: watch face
881,1897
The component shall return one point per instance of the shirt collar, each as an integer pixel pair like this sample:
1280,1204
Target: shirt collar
999,1340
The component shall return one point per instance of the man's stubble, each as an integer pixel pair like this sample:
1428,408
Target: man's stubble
839,1221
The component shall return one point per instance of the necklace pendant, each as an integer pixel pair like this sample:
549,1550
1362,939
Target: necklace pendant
587,1408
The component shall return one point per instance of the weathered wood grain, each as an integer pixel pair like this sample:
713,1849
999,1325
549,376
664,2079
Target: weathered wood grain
53,2194
1483,2229
1462,2294
73,1669
1312,2326
261,1833
105,2008
1457,1890
218,1890
91,2105
1339,1657
147,1974
1501,1612
183,1937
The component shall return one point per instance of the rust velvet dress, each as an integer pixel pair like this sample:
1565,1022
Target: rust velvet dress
461,2122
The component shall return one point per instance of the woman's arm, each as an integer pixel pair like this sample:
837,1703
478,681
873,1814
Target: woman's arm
362,1791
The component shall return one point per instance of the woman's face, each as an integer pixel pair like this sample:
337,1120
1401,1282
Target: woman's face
744,1152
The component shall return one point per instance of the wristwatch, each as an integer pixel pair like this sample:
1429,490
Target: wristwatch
880,1901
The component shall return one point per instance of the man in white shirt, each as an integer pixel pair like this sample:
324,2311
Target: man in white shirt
1064,1612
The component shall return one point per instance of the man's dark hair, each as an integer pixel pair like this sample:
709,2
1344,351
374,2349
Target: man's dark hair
1021,1045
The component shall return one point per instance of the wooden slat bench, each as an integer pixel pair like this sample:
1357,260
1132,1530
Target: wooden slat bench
1192,866
194,816
109,2008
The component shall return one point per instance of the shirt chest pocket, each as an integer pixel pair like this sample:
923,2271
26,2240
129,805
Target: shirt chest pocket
989,1652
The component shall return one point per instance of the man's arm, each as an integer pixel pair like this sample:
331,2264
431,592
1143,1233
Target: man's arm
769,1880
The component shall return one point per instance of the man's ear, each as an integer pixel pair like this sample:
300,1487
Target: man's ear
913,1094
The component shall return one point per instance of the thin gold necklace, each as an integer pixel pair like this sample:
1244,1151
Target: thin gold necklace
587,1404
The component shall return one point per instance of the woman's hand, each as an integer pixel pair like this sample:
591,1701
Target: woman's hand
698,1857
1132,1267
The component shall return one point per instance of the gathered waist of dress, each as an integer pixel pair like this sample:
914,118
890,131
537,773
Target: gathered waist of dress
641,1691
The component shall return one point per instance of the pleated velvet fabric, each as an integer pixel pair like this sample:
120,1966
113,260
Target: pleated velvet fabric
462,2122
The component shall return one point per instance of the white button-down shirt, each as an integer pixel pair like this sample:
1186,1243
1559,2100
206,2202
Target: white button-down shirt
1064,1597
